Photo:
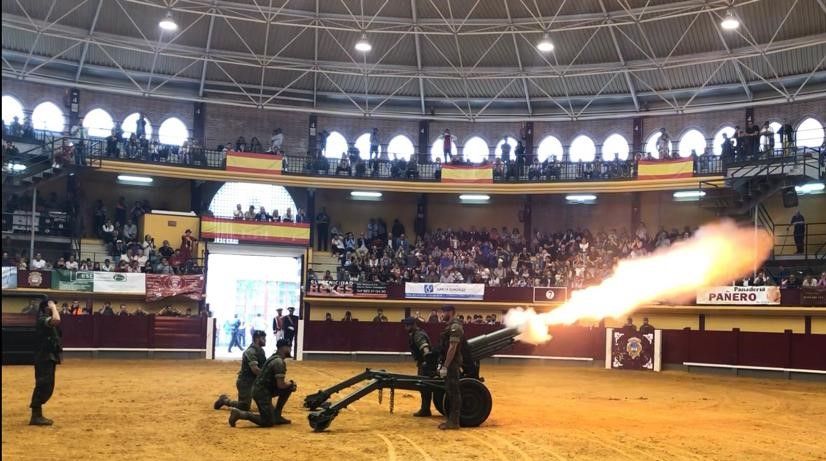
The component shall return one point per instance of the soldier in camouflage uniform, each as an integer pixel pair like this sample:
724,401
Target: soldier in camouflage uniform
451,346
251,364
46,357
268,384
422,354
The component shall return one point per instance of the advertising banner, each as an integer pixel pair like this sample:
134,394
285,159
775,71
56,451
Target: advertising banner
550,294
809,296
34,279
159,286
459,291
63,279
347,289
740,296
119,282
9,277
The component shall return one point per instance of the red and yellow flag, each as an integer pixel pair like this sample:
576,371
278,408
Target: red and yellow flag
257,232
665,169
246,162
467,174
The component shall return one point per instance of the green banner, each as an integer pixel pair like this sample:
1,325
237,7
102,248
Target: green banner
67,280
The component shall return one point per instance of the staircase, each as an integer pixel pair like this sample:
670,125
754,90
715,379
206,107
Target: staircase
322,261
94,249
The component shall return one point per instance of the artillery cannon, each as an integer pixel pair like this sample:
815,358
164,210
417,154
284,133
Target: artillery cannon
476,398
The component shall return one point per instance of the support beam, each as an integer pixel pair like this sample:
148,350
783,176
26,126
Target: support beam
416,31
734,62
628,81
86,44
315,59
519,61
206,56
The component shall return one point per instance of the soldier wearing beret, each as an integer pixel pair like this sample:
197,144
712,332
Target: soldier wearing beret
451,346
419,344
252,361
47,355
271,382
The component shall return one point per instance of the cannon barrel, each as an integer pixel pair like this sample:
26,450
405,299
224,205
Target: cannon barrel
484,346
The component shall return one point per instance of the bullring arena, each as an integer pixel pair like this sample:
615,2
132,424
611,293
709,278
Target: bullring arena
540,413
277,229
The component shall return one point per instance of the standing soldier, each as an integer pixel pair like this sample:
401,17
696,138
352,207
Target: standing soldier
46,357
420,348
290,325
278,324
251,364
451,346
268,384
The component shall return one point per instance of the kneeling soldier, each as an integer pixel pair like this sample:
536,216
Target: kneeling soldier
251,363
419,344
268,384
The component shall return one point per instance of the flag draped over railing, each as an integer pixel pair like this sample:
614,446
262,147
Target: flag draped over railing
246,162
665,169
467,174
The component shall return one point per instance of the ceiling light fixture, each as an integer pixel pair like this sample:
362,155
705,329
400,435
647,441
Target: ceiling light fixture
140,180
545,45
168,23
684,194
581,198
363,45
474,197
14,166
811,188
365,194
730,21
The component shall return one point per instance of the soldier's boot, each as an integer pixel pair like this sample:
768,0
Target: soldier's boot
223,400
424,410
236,414
279,407
38,419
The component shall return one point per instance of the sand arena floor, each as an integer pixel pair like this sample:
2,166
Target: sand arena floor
161,410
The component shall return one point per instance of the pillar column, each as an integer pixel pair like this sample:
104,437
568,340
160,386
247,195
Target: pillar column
636,135
312,135
527,141
424,136
199,123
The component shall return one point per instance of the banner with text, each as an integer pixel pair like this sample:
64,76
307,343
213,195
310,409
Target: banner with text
159,286
813,296
63,279
743,296
9,277
119,282
340,289
550,294
459,291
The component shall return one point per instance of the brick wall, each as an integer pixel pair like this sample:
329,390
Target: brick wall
224,123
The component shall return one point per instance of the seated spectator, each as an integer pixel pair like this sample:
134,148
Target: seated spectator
64,310
344,166
238,214
72,264
166,250
139,311
250,214
106,309
38,263
262,215
87,265
241,144
255,145
328,317
822,281
380,317
23,264
60,263
107,266
275,216
164,267
108,232
288,216
169,311
123,266
348,317
300,217
809,281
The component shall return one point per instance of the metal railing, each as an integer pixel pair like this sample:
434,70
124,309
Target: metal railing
810,244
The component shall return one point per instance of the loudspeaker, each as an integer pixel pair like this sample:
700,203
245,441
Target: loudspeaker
789,197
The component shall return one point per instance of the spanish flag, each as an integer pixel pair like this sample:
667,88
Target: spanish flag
665,169
467,174
246,162
256,232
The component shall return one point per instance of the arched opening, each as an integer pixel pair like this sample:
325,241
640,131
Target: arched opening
98,123
12,108
510,142
400,146
694,141
270,196
651,145
549,147
476,150
363,145
173,132
615,146
47,116
130,125
336,145
582,149
437,150
809,133
717,146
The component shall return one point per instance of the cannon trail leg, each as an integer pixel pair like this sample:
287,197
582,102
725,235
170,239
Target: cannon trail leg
314,401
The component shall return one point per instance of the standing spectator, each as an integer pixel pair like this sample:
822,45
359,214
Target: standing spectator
447,144
767,139
72,264
238,214
255,145
123,311
727,149
663,144
276,140
130,231
646,328
374,144
99,218
187,245
786,136
380,317
140,126
506,151
137,213
322,221
278,324
322,141
120,212
107,309
799,223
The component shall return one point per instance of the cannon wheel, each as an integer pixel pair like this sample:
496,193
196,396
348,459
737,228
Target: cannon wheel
476,402
439,401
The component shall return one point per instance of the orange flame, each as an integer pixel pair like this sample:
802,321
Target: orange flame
717,254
